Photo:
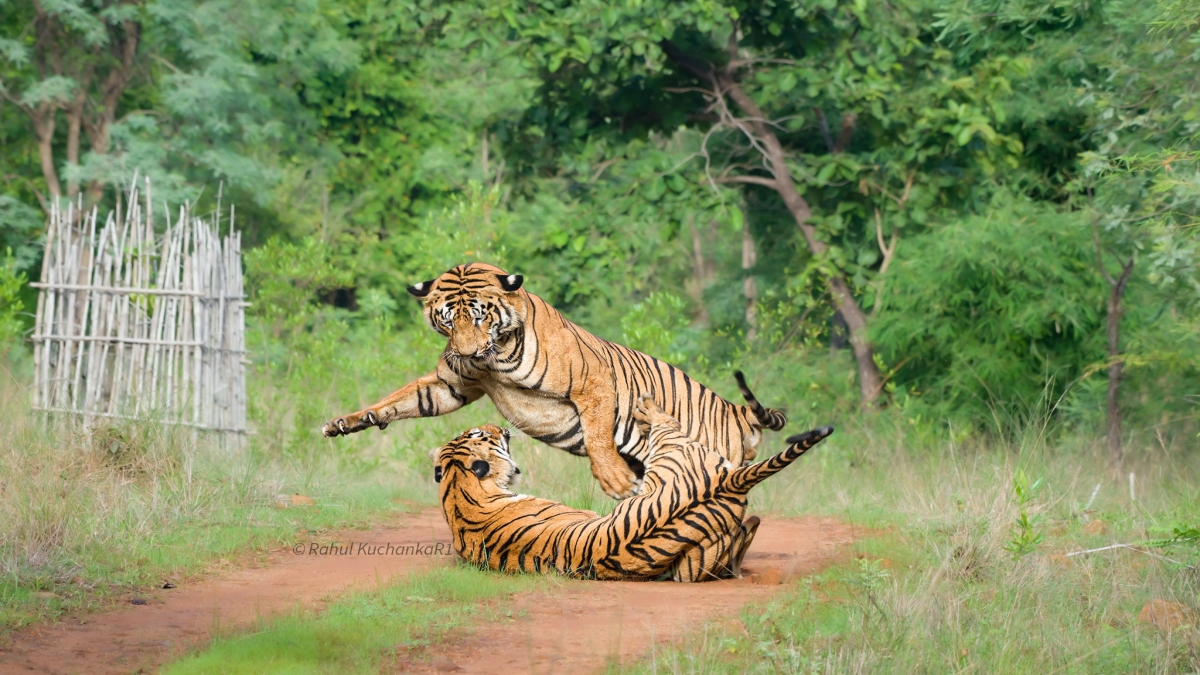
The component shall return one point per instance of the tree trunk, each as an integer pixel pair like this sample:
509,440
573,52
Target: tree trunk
1113,333
74,124
763,135
74,112
870,381
43,128
1116,366
749,286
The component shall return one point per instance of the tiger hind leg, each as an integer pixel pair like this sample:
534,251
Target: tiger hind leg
738,553
710,559
719,557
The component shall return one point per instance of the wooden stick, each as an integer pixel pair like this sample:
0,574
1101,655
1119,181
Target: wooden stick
131,324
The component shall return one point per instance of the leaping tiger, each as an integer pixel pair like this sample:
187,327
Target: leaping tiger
555,381
688,525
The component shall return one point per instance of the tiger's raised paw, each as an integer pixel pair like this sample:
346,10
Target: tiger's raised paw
352,423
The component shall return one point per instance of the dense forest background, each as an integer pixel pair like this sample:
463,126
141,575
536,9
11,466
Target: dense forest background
966,214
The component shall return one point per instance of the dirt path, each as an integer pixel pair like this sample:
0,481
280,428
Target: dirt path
584,626
142,637
588,625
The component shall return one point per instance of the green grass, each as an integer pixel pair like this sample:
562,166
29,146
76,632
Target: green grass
937,587
83,522
86,521
366,632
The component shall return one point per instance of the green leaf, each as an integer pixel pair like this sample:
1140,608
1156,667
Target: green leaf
787,82
826,172
585,46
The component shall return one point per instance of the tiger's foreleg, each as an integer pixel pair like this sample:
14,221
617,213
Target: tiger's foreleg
428,396
598,420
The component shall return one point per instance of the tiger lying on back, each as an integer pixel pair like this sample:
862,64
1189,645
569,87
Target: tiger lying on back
555,381
687,525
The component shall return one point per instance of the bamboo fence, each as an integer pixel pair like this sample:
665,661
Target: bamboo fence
132,324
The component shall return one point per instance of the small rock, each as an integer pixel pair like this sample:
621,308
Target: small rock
138,601
302,500
167,584
1096,527
771,577
446,666
1165,615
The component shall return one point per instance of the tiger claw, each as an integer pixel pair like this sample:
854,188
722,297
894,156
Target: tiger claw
341,425
371,418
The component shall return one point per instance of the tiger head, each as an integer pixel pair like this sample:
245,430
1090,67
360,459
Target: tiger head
475,305
483,452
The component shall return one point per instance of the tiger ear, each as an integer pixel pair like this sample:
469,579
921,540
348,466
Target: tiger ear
420,290
510,283
481,468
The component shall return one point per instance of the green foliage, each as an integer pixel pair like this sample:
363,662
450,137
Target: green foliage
286,279
653,325
983,311
962,162
1025,536
11,281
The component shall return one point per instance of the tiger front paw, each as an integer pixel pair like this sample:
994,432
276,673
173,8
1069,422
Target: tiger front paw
619,481
352,423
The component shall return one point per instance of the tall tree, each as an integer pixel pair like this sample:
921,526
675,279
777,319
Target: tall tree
1125,93
758,80
76,58
186,92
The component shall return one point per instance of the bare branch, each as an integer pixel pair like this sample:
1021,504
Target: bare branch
888,251
755,180
738,64
908,183
600,169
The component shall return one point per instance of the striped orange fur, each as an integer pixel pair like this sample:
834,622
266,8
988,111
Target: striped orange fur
555,381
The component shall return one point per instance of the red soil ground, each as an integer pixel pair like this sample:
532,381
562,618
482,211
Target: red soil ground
583,626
